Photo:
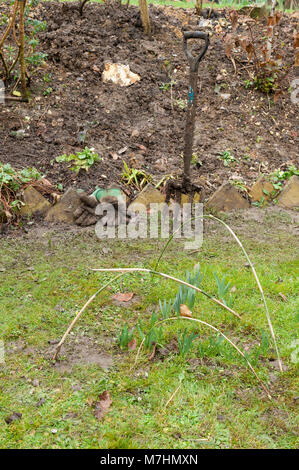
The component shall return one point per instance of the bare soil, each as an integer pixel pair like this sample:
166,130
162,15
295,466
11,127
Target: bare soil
143,117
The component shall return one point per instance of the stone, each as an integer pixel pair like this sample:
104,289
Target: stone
35,203
147,196
289,196
119,74
257,190
64,209
227,198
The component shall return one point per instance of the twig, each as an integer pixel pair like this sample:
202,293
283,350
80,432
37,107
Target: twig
173,395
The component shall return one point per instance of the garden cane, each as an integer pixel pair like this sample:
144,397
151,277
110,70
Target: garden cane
186,186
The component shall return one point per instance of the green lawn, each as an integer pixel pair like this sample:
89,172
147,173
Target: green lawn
45,278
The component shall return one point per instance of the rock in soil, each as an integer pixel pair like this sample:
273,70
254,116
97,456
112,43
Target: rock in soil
227,198
35,203
257,190
147,196
119,74
289,197
63,211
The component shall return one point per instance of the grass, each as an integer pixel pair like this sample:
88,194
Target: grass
191,4
45,280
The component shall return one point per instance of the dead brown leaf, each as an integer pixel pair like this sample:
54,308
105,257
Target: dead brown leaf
132,344
15,416
102,406
296,39
229,44
151,357
233,16
184,311
123,296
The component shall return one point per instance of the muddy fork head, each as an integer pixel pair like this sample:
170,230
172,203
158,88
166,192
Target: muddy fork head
186,186
192,95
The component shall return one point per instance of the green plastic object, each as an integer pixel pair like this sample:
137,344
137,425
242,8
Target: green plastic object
100,193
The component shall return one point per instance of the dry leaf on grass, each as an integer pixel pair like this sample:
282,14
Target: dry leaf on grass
123,297
102,406
15,416
152,355
132,344
184,311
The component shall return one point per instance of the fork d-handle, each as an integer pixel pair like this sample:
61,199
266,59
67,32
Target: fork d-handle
192,97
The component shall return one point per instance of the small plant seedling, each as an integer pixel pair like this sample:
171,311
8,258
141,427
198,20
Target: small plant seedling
125,337
47,77
185,342
223,291
166,86
240,185
166,308
11,181
82,160
182,104
261,203
278,177
48,91
134,177
186,295
226,157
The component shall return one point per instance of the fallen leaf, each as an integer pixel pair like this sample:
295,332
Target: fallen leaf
184,311
123,297
233,16
132,344
102,406
151,357
13,417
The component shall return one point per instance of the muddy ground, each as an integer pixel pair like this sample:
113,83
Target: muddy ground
144,118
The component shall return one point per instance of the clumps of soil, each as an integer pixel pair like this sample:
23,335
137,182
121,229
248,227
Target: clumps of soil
145,114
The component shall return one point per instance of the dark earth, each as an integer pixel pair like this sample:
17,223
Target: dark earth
143,120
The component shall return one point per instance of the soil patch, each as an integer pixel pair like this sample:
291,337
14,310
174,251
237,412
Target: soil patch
143,118
80,350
